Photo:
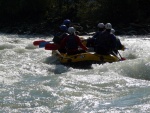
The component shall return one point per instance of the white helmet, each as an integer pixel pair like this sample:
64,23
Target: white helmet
100,25
71,30
108,26
112,31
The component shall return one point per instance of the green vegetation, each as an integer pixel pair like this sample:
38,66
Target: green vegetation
51,13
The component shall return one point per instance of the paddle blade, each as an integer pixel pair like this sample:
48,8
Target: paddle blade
123,59
42,44
36,43
51,47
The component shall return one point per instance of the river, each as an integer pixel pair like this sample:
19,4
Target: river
31,82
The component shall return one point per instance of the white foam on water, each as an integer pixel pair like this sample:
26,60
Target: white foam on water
31,80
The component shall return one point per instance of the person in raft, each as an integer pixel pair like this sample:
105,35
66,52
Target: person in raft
91,41
60,36
67,22
72,43
105,43
119,45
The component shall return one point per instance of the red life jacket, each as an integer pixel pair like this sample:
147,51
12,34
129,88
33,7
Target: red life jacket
71,43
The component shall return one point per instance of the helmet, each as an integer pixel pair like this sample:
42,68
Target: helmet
108,26
71,30
101,25
112,31
67,21
63,27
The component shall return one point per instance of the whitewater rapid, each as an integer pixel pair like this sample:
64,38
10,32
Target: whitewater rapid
32,81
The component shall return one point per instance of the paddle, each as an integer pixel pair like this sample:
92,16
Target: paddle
113,53
51,47
121,56
43,44
36,43
59,53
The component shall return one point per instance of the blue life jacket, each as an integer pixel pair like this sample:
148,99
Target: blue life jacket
59,37
106,41
119,45
97,34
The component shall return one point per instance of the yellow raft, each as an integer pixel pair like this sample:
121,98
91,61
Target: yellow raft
84,57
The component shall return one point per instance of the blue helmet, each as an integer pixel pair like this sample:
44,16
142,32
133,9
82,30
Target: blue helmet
67,21
63,28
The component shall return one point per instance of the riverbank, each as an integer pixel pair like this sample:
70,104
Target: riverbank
51,28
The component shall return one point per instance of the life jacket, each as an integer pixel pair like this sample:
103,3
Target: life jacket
97,34
62,36
71,43
59,37
104,41
119,45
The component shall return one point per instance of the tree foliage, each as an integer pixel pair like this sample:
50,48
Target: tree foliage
92,11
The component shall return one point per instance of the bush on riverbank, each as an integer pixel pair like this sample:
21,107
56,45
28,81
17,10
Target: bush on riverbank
44,16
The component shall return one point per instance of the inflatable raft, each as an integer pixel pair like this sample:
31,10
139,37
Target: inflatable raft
83,59
79,60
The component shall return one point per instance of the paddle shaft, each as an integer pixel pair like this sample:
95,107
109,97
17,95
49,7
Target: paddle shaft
121,56
115,55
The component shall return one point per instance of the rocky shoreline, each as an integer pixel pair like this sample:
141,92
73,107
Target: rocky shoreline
48,29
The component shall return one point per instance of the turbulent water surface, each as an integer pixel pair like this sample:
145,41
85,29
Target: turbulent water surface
32,82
